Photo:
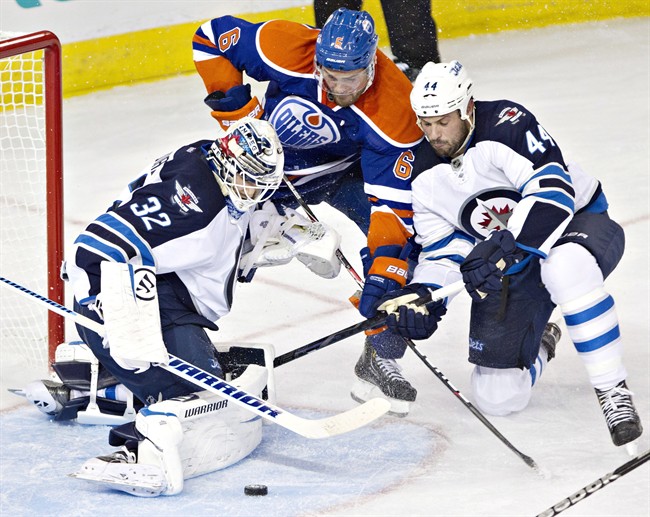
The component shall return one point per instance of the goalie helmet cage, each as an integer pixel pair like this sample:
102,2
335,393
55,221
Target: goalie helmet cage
31,191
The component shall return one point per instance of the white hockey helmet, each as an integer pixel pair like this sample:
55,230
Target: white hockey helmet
248,162
441,88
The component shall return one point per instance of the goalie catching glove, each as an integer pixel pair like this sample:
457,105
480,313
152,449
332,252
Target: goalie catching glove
279,238
132,327
411,313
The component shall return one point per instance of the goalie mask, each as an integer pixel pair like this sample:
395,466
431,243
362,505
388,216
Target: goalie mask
248,162
441,88
347,42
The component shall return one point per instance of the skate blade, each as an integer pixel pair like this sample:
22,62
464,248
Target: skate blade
17,391
632,448
363,391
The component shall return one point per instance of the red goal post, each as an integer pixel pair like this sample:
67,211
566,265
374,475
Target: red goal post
31,158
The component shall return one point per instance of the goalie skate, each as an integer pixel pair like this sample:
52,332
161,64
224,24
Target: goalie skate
120,471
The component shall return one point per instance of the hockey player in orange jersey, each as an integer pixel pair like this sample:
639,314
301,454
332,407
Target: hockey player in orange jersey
341,110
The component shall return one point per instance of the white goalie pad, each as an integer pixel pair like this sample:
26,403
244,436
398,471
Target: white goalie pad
184,437
131,317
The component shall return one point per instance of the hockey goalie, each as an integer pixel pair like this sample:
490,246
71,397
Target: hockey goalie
156,270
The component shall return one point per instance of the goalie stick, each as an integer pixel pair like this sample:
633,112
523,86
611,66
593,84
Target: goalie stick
317,428
594,486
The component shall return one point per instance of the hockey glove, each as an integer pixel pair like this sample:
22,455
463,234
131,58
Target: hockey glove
484,266
411,313
386,273
236,103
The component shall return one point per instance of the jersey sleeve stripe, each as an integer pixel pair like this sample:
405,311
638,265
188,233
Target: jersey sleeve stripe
128,232
557,197
99,247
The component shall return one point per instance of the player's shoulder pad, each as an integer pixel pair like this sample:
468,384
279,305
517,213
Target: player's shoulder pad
288,45
387,103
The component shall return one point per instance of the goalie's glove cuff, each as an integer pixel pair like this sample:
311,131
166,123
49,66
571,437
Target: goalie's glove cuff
235,104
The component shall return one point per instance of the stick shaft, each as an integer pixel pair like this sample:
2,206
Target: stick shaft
596,485
527,459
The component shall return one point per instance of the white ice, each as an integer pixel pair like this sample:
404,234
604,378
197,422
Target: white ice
589,86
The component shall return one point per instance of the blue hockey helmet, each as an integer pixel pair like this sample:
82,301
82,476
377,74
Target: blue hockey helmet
347,42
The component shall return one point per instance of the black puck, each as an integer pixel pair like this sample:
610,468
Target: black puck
256,490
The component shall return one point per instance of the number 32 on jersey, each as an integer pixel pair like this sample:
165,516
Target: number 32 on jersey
150,213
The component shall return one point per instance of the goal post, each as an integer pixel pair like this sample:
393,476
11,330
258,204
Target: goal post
31,192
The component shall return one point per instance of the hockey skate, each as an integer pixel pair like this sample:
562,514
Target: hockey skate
84,390
550,339
379,377
48,396
120,470
622,419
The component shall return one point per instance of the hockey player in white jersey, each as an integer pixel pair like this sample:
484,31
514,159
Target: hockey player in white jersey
496,204
157,269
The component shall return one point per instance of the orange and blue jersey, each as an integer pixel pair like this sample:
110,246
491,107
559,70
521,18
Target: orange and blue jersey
320,138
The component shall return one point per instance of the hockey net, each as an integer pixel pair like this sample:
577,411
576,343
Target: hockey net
31,197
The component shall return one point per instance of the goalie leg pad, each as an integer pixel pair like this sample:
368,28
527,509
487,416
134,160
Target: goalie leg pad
179,439
216,433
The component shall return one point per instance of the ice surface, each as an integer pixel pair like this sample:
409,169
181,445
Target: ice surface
588,85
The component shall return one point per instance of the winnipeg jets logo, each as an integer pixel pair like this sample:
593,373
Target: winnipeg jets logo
488,210
511,115
495,218
301,124
186,199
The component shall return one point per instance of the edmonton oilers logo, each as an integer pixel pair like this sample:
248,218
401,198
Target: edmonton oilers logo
299,123
488,210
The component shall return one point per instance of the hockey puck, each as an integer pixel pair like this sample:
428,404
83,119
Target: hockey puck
256,490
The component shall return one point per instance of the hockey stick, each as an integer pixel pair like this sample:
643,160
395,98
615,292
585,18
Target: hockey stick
594,486
373,322
339,254
318,428
527,459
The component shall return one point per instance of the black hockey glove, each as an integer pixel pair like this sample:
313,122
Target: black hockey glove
411,313
484,266
235,98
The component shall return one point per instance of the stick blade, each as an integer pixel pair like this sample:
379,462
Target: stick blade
341,423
